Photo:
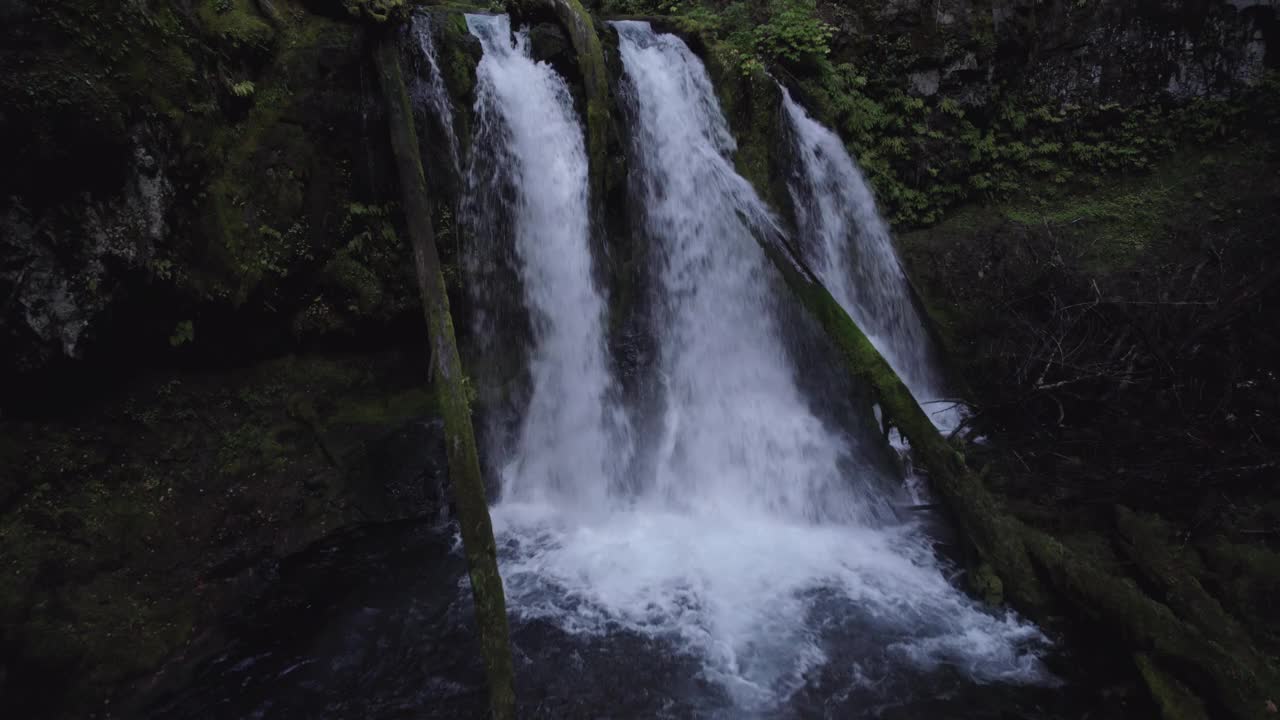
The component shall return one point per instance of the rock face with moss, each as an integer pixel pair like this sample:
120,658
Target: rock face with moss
209,185
378,11
214,166
955,101
137,511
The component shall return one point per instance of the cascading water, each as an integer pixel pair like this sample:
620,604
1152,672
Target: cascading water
738,433
741,562
427,87
570,438
848,244
756,539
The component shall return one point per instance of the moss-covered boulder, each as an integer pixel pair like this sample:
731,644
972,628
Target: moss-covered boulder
140,514
378,11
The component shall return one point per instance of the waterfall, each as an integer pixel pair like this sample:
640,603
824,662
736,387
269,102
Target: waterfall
738,433
570,438
751,536
427,85
848,244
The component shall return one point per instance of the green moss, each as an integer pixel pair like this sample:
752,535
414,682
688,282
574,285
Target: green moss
237,24
101,582
386,411
458,66
64,578
1247,578
250,449
1237,686
986,584
378,11
253,222
1173,698
1121,221
1171,568
751,102
976,140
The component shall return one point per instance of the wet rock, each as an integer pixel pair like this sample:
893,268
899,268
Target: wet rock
61,270
925,83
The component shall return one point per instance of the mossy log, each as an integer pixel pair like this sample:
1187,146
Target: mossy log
1146,543
1149,626
1173,698
464,467
1029,562
993,533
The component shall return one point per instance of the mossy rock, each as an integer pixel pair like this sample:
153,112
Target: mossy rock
378,11
986,584
237,25
1175,701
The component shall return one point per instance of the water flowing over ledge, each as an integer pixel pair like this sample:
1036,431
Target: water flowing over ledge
847,242
739,528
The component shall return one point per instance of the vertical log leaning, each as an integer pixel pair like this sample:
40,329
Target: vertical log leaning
464,467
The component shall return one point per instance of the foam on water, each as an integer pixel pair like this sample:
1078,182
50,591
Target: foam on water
755,597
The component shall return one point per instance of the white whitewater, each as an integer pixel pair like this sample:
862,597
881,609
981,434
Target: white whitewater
848,244
568,442
748,534
740,439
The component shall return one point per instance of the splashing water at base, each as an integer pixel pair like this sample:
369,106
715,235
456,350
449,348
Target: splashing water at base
747,534
758,601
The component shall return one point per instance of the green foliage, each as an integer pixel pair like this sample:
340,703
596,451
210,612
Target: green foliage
275,252
184,333
237,25
782,31
924,155
793,33
243,89
378,11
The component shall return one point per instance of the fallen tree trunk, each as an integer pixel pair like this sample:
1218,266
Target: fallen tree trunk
469,495
991,531
1030,562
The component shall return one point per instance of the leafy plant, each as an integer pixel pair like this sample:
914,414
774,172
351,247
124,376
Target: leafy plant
793,33
184,333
